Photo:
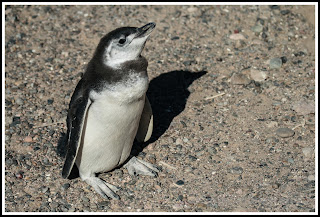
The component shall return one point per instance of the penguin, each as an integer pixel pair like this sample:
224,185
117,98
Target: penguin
109,109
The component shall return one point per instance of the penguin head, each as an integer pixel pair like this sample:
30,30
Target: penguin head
123,44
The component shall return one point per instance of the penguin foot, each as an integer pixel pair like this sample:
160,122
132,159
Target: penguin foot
103,188
136,166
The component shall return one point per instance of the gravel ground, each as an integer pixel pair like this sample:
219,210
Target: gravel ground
233,94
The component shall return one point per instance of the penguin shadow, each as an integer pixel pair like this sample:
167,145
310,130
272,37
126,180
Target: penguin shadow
168,94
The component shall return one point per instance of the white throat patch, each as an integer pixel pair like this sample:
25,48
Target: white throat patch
134,88
115,55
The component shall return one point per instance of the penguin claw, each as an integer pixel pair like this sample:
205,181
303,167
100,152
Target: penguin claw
155,174
136,167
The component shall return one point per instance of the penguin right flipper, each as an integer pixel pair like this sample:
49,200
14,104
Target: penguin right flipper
77,113
146,123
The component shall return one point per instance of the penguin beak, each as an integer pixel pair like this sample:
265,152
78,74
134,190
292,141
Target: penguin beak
145,30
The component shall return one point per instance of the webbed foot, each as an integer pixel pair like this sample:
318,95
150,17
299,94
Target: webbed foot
136,166
103,188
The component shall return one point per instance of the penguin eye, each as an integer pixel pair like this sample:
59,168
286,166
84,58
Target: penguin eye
122,41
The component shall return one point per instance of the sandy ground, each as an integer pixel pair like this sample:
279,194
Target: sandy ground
233,94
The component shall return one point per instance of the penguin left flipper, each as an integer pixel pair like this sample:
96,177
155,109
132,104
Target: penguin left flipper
146,123
79,105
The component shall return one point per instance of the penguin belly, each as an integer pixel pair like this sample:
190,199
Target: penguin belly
110,129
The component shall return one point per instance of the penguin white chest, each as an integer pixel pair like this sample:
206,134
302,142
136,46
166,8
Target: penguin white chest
111,125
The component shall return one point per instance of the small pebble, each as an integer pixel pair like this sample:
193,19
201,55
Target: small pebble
8,162
180,197
212,150
275,63
46,161
188,62
198,59
241,209
28,139
188,169
19,101
257,28
307,151
311,178
239,191
275,185
304,107
261,21
264,35
239,79
183,123
275,7
236,170
85,199
65,186
64,209
15,120
175,38
272,124
19,175
103,205
284,59
50,101
179,141
177,206
284,132
132,182
158,188
44,189
201,205
193,158
237,37
192,9
65,53
258,75
86,209
257,41
180,182
8,102
285,12
71,209
299,54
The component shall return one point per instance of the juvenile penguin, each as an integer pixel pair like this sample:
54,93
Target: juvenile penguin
109,108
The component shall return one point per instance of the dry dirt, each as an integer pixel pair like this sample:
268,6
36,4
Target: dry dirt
233,94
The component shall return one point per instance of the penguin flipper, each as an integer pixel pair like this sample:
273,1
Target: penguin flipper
76,121
146,123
